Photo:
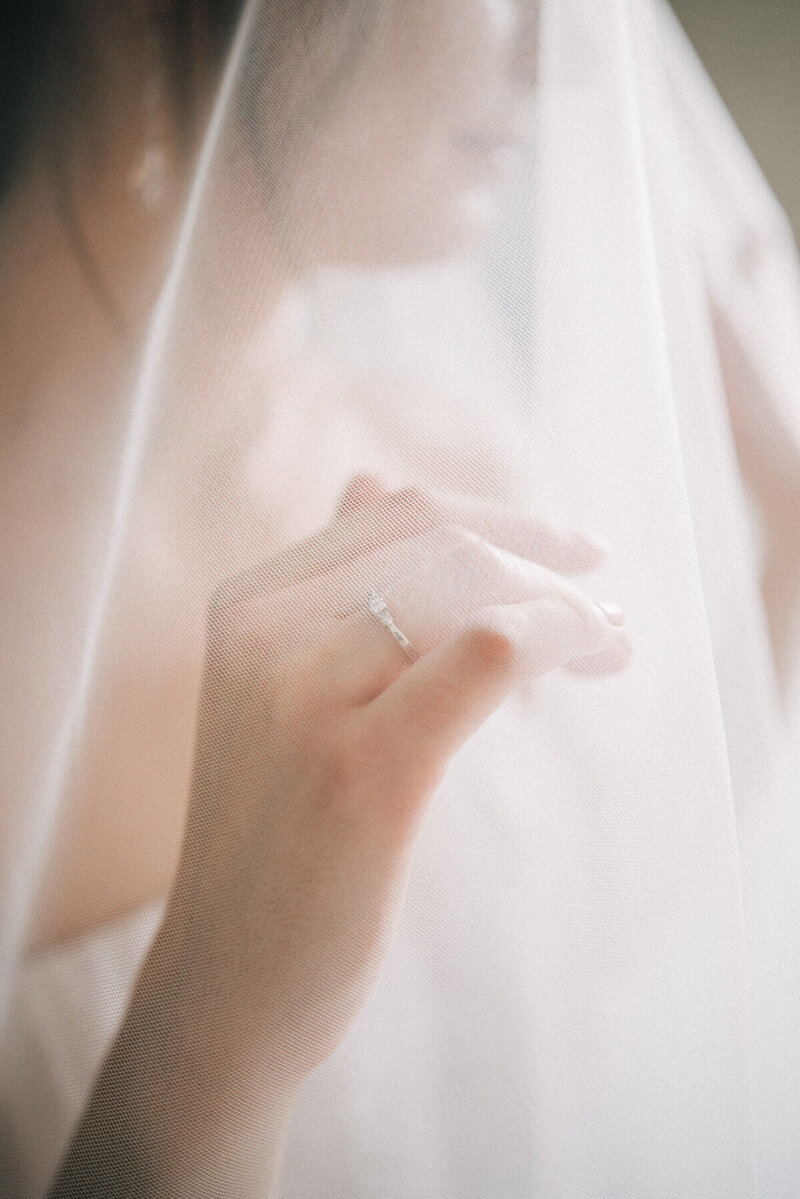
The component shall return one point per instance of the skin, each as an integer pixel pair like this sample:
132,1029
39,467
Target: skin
118,847
303,802
303,741
409,130
314,765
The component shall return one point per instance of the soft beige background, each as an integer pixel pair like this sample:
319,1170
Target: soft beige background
752,51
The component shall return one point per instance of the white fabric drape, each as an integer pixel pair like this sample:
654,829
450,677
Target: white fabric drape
595,985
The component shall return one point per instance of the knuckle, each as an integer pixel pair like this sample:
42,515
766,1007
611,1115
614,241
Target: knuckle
415,507
591,625
359,484
317,668
490,646
252,637
338,770
238,589
485,565
462,545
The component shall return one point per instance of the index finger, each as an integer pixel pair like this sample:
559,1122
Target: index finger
357,531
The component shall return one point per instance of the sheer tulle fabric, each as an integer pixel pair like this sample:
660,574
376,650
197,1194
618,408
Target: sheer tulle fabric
593,988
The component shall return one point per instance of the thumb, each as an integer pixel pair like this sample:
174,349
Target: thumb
433,707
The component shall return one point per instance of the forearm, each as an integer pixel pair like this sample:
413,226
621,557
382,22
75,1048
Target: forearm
178,1110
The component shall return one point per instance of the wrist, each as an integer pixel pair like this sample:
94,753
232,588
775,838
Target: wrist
197,1025
171,1113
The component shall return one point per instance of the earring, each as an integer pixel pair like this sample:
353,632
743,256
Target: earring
149,177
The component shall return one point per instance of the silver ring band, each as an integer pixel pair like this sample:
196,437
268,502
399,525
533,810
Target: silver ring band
377,606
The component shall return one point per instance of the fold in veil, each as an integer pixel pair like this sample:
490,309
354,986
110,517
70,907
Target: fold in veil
593,990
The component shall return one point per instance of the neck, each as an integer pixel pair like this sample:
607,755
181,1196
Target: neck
55,333
67,367
69,334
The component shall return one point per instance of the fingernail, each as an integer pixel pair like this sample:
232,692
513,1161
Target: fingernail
612,613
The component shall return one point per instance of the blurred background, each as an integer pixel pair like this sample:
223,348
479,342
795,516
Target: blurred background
751,49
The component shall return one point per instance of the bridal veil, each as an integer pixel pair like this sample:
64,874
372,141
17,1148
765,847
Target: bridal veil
569,296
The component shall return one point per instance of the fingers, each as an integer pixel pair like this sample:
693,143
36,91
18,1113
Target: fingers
433,586
440,602
552,545
369,517
610,661
362,491
431,708
361,527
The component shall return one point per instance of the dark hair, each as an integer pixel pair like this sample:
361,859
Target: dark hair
47,69
48,86
51,80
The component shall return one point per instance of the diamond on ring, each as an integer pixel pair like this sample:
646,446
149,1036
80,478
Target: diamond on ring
377,606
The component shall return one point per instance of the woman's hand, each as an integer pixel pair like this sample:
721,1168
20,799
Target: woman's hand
320,744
